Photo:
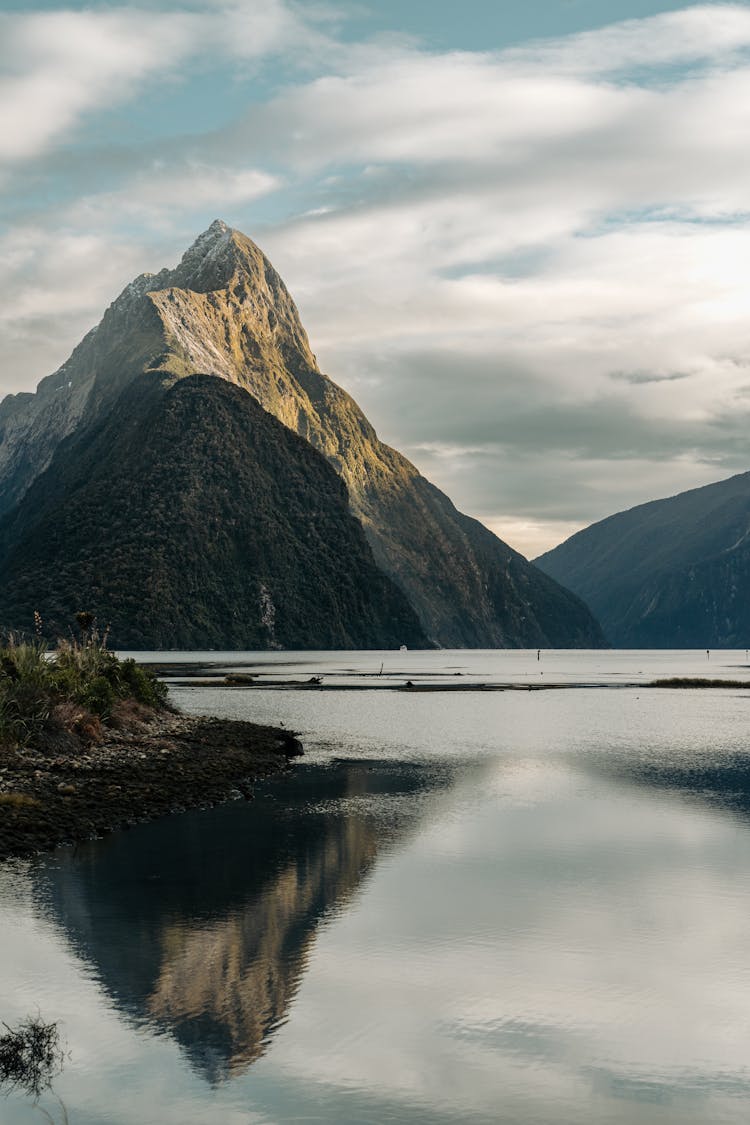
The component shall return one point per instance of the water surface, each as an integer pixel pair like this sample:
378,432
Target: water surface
515,907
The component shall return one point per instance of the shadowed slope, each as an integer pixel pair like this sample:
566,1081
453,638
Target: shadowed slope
669,574
189,517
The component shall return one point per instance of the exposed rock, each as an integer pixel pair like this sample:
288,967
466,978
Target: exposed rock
169,761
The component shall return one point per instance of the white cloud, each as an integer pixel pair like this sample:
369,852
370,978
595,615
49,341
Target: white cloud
59,65
63,65
693,34
249,29
418,108
52,291
543,218
154,196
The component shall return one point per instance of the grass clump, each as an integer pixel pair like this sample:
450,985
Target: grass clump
699,682
31,1056
19,801
80,678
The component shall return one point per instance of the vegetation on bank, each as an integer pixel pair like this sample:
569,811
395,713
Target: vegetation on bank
89,743
699,682
31,1056
71,691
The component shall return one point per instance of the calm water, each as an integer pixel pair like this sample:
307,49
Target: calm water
512,907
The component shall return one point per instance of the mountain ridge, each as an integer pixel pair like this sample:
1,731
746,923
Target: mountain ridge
225,311
667,573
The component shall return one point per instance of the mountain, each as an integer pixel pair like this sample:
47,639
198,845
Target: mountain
224,311
673,573
222,529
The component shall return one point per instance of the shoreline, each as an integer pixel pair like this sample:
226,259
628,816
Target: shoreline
164,764
256,683
167,762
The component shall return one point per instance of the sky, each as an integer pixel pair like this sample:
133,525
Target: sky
519,235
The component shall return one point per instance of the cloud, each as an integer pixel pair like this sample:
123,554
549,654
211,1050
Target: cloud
529,266
52,291
693,34
62,66
153,196
640,378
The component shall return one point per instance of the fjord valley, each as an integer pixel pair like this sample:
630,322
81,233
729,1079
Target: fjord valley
137,483
322,801
672,573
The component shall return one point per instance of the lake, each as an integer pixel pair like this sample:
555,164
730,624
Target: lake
521,907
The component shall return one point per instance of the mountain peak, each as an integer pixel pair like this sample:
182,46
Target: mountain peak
225,312
210,254
205,243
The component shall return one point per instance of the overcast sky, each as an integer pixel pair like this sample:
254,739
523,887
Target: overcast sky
519,235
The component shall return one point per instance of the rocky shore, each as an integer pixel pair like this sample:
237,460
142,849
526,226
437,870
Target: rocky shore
160,762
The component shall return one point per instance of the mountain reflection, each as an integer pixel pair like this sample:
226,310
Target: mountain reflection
201,925
721,781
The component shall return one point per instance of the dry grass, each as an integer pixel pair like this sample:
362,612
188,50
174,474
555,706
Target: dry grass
19,801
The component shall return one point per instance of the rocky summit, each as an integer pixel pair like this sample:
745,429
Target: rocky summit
225,312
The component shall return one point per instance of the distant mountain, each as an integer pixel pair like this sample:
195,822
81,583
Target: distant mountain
188,517
224,311
673,573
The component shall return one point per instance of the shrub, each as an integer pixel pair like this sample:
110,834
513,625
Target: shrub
143,684
34,682
98,696
25,692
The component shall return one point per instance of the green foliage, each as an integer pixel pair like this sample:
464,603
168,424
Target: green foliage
143,684
222,528
34,680
26,700
98,696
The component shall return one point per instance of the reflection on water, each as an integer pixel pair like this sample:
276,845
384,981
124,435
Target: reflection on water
201,925
508,909
722,784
